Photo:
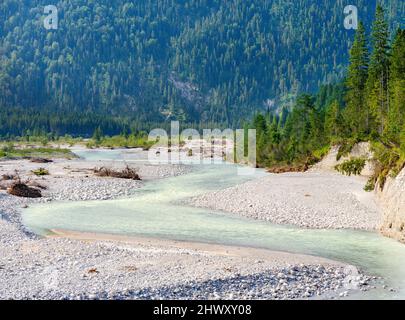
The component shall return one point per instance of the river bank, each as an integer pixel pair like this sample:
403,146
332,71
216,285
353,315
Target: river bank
88,266
74,180
316,200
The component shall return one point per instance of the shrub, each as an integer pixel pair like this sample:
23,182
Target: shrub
40,172
370,185
345,147
127,173
389,162
320,153
353,166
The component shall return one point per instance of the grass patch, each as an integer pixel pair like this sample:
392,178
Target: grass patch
121,141
11,151
40,172
350,167
319,154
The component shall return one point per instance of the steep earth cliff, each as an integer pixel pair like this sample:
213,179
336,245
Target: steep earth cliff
392,200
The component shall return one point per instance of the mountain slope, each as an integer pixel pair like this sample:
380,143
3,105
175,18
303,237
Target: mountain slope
196,60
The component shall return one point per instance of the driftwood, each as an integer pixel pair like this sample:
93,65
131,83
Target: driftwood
20,189
41,160
127,173
288,168
7,177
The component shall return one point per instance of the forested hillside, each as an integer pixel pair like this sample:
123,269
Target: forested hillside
368,106
198,61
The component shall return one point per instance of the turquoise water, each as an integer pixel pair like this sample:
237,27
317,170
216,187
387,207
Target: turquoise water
129,155
157,211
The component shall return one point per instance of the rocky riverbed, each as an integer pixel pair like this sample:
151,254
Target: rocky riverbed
317,200
74,180
57,268
83,266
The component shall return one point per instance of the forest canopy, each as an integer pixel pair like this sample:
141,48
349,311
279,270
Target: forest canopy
197,61
369,105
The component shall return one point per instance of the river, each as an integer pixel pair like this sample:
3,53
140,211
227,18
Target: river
157,211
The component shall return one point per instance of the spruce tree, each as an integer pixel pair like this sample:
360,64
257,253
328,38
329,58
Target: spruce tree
396,114
356,113
377,84
97,135
333,121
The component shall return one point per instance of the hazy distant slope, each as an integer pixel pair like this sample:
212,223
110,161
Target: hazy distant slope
197,60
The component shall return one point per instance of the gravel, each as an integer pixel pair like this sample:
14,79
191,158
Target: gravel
32,267
316,200
56,268
74,180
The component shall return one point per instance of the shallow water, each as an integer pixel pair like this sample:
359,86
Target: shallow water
128,155
156,211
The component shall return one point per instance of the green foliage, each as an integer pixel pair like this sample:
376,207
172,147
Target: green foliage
369,106
40,172
356,107
298,140
378,76
345,147
334,122
402,143
120,141
199,61
11,151
97,135
350,167
396,111
389,161
319,154
370,185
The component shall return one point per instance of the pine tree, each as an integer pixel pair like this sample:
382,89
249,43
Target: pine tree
356,112
333,121
274,134
396,114
377,83
97,135
260,124
402,141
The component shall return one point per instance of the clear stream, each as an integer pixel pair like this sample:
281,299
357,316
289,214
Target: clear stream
157,211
